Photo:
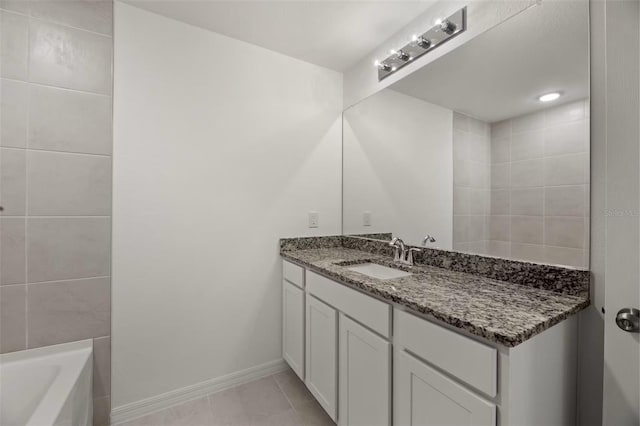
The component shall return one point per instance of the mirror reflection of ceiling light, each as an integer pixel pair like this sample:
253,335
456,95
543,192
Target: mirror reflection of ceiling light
548,97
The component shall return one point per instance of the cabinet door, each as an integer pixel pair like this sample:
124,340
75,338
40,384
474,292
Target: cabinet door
364,376
424,397
322,354
293,327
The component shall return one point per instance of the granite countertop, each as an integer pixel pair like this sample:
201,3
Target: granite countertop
498,311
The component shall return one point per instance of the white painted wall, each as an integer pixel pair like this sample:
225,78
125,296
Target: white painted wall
361,80
398,165
220,149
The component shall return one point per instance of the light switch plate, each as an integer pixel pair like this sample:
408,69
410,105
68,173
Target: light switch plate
314,220
366,219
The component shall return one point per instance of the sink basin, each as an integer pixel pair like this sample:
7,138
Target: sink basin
378,271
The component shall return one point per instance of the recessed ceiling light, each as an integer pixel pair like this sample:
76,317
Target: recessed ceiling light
549,97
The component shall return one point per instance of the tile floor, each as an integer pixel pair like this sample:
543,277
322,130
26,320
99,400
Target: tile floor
278,400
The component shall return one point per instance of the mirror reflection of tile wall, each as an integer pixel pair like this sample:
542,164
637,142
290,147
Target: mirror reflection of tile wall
537,205
471,184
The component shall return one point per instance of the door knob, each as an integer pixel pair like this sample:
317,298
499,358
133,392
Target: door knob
628,319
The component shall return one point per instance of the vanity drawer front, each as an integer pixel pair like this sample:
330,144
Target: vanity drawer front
365,309
293,273
464,358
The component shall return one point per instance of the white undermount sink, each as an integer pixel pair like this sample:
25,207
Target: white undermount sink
378,271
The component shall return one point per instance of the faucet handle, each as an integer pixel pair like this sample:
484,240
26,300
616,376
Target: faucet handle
428,239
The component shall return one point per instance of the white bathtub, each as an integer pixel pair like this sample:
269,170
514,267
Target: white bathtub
47,386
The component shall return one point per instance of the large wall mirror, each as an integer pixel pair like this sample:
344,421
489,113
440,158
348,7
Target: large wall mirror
466,151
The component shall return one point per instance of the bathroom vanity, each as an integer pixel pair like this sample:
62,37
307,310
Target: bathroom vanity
479,161
436,347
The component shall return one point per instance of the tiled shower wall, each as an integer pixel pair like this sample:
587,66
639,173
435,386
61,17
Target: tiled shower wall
540,186
55,179
471,184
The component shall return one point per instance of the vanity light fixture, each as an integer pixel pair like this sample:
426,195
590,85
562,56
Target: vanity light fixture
443,30
549,97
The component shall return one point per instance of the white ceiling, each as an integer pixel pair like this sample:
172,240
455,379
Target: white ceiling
501,73
329,33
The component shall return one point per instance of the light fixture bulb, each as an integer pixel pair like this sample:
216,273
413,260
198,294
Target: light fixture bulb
414,37
402,55
376,63
447,27
423,42
549,97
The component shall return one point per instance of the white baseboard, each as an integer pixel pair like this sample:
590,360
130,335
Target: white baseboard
146,406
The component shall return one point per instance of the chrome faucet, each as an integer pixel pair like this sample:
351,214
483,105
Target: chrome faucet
400,252
399,249
428,239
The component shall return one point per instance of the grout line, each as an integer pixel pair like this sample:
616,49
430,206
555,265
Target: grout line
284,393
26,190
49,21
50,86
66,217
68,280
62,152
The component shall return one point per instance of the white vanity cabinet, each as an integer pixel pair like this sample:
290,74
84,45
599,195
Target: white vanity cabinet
322,354
421,373
293,321
425,397
365,376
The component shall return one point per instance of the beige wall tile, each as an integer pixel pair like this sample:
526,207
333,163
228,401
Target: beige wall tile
14,38
460,229
478,201
527,252
20,6
67,248
500,202
65,120
565,113
62,184
102,411
461,200
101,366
500,175
12,181
12,253
500,150
499,228
527,145
65,311
567,138
12,318
461,173
527,122
527,201
527,173
85,65
93,15
498,248
14,97
565,256
565,201
501,129
565,170
564,231
476,228
460,121
527,229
